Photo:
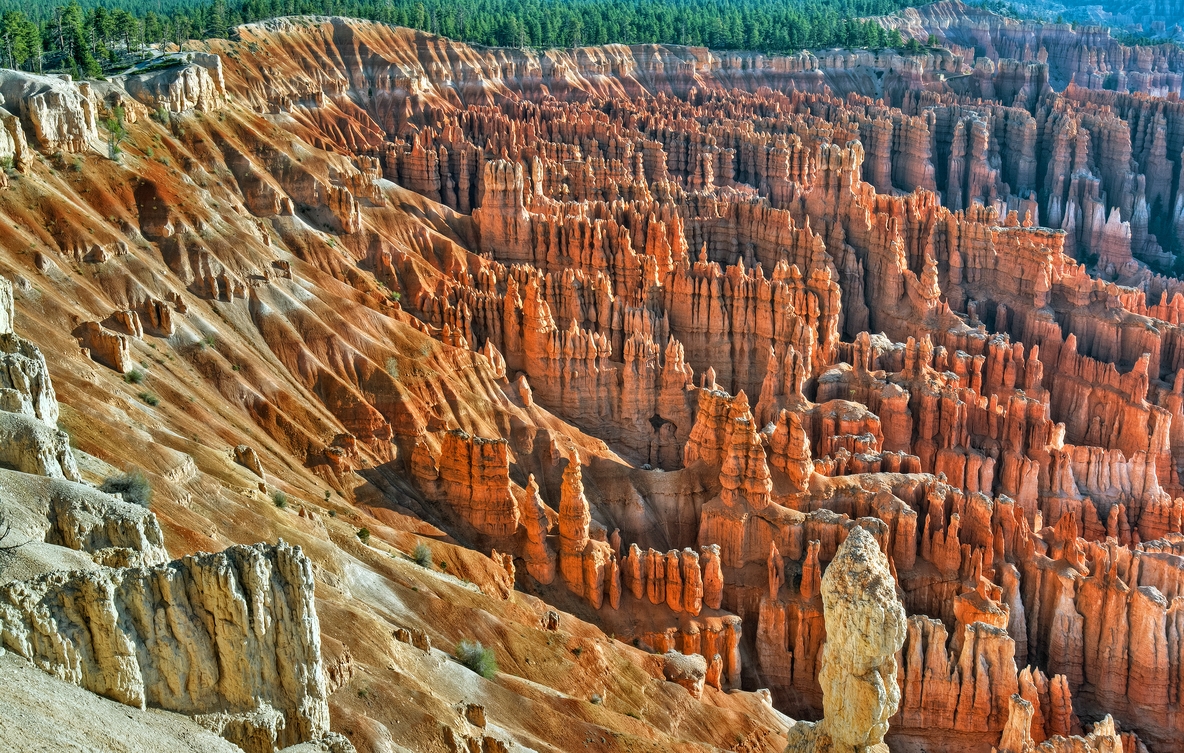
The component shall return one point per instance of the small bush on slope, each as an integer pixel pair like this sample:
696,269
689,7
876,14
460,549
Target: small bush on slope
477,658
133,486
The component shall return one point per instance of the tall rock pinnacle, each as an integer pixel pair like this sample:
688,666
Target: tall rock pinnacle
865,627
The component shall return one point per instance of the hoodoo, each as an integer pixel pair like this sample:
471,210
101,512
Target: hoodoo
865,628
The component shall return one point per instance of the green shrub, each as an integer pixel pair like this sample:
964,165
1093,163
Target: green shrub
364,535
422,555
279,498
477,658
133,486
135,376
149,398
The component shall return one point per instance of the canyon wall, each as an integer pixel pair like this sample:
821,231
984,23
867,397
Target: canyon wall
683,257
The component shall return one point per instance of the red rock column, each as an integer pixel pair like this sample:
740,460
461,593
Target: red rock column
574,521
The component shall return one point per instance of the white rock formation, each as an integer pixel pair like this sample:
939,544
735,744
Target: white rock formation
6,307
687,670
865,627
1017,735
30,441
231,639
25,386
13,145
117,533
57,113
330,743
194,83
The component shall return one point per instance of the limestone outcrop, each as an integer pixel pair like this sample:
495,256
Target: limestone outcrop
14,147
57,114
1017,738
30,440
32,446
115,531
193,81
240,650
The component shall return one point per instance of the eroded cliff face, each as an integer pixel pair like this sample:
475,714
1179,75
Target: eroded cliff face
30,440
239,650
230,639
596,328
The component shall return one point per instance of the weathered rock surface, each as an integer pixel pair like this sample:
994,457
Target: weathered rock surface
865,628
56,113
30,440
687,671
246,456
105,346
240,649
91,521
32,446
194,82
1017,737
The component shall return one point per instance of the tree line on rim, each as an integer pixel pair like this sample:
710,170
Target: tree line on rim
108,36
